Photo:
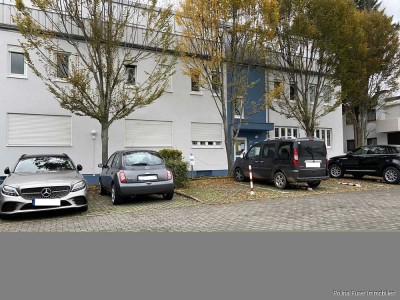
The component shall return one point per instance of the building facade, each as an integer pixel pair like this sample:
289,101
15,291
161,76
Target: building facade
184,117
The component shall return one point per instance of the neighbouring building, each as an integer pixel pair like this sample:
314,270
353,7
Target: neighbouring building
383,125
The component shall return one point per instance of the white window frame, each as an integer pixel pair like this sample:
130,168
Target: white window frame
294,92
57,65
241,116
208,143
18,50
275,83
194,92
285,129
312,93
135,68
32,130
322,133
327,95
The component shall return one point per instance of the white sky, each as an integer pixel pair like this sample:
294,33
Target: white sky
392,8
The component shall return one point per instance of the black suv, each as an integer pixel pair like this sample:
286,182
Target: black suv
285,161
375,160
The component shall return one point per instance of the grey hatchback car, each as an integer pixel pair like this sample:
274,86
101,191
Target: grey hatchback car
285,161
42,183
136,172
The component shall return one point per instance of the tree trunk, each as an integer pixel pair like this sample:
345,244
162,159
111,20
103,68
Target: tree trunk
229,146
104,143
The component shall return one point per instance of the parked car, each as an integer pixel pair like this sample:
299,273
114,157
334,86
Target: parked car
139,172
374,160
42,183
285,161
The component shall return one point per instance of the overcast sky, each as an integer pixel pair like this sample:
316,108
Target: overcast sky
392,8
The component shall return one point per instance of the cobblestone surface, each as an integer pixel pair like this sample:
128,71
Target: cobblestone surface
353,211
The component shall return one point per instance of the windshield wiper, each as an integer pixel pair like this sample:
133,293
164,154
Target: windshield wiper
308,149
140,164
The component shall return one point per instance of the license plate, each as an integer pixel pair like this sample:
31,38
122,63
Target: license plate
147,177
46,202
313,163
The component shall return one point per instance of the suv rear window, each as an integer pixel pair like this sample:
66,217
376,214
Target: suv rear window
311,149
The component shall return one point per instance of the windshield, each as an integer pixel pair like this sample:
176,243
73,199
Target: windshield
312,149
44,164
142,158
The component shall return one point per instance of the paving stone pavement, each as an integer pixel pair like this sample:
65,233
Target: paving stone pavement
354,211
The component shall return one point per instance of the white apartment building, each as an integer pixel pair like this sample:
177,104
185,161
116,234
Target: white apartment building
184,118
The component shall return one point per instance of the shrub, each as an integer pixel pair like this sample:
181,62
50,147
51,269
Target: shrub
174,161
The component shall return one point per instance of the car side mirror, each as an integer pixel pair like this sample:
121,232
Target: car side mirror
350,153
79,168
243,154
7,171
102,166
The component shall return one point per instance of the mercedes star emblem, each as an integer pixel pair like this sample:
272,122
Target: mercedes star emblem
46,192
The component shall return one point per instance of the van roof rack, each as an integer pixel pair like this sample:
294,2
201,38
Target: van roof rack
281,138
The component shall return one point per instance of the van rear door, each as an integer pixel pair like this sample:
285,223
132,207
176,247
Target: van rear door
312,158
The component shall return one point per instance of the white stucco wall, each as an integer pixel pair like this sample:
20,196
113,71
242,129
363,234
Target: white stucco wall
179,106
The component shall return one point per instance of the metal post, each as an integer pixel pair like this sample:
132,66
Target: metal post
251,182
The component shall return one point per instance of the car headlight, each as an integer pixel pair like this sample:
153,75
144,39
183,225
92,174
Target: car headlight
78,186
9,191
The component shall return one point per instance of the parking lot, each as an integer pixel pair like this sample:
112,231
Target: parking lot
335,207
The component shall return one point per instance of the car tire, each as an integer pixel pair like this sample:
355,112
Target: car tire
391,175
239,175
280,180
115,198
314,184
335,171
168,196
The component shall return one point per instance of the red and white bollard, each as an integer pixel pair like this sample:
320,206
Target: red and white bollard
251,181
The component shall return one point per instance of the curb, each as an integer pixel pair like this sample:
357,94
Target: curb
188,196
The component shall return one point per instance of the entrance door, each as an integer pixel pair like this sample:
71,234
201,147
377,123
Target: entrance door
240,146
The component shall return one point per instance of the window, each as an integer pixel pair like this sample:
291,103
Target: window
371,115
115,162
130,74
327,95
284,150
278,85
372,141
206,135
62,65
17,66
144,133
361,150
239,108
312,92
292,92
38,130
195,82
281,132
325,135
254,151
351,145
269,150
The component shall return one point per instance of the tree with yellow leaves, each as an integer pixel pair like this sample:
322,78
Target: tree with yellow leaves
224,39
